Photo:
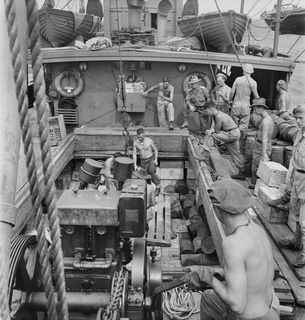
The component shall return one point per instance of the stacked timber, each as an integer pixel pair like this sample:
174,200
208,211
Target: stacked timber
132,36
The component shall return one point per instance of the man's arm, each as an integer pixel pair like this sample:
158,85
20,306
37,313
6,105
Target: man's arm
254,90
233,90
218,123
171,95
150,89
134,156
264,130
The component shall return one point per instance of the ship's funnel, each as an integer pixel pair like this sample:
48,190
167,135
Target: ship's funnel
134,13
164,8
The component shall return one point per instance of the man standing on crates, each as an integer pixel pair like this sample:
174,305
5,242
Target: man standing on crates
296,184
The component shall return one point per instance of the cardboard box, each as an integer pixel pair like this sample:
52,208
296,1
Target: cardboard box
272,173
259,183
277,214
269,195
57,130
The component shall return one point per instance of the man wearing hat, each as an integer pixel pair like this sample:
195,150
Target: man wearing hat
296,184
262,148
247,292
195,100
240,94
221,94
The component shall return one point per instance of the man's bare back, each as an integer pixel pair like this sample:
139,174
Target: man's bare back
251,251
223,121
265,128
242,88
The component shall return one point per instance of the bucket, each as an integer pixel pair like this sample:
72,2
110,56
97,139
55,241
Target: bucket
90,170
277,154
122,168
164,7
287,155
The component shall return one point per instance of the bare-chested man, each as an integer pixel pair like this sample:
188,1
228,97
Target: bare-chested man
240,94
164,102
148,153
282,101
226,132
221,94
247,292
262,149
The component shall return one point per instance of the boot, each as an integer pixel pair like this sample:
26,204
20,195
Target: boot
294,243
185,124
171,125
240,175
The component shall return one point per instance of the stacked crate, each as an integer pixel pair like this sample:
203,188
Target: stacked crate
269,191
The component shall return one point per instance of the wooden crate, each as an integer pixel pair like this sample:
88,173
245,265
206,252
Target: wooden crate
277,214
269,195
272,173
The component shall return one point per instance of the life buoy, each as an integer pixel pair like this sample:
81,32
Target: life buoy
69,92
201,75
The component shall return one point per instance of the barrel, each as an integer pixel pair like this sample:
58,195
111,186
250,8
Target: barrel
207,245
277,154
122,168
287,155
90,170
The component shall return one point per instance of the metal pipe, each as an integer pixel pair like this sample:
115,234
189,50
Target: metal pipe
77,301
80,264
242,6
9,132
164,8
277,28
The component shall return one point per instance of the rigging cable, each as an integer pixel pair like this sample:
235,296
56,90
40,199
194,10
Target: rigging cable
50,196
299,37
35,189
254,5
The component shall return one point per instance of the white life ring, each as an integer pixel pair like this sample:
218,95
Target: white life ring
65,92
202,76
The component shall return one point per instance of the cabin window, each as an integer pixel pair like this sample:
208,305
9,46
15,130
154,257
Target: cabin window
153,20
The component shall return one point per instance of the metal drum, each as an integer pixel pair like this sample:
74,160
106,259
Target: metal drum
122,168
287,155
90,170
277,154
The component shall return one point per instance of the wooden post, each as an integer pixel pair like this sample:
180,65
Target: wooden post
277,28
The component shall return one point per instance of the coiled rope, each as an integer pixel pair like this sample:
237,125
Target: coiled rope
20,81
179,303
50,190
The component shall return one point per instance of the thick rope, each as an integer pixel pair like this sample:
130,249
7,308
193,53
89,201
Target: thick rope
179,303
20,81
50,190
4,309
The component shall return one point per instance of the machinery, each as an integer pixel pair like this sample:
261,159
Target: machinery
108,271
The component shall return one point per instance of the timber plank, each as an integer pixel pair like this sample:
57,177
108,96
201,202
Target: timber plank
203,181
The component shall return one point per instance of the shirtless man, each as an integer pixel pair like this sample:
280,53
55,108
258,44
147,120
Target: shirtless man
282,101
240,95
148,153
221,94
164,102
262,148
226,131
247,292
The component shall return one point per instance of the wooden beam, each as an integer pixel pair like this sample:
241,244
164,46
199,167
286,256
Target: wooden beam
203,180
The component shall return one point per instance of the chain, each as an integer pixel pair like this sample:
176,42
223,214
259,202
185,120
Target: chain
116,295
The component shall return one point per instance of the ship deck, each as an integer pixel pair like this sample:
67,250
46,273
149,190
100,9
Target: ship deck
177,162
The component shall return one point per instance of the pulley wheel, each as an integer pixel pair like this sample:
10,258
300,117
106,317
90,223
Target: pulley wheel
139,259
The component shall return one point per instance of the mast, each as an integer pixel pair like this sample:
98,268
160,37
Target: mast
277,28
242,6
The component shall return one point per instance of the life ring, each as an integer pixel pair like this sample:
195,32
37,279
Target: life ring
201,75
69,92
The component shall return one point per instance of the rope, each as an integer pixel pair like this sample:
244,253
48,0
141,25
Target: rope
299,37
4,309
254,5
179,303
20,81
50,191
